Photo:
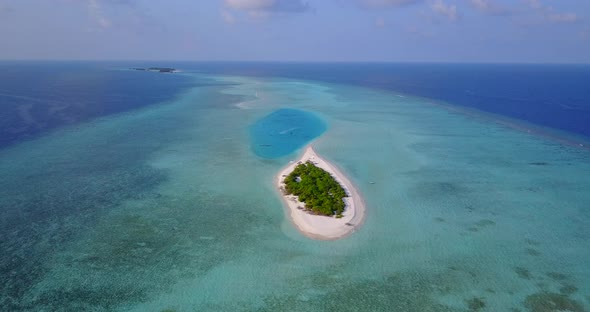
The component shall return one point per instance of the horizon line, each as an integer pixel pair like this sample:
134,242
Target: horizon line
301,61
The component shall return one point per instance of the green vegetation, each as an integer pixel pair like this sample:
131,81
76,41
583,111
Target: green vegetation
315,187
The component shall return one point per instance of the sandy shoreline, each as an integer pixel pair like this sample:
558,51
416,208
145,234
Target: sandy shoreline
322,227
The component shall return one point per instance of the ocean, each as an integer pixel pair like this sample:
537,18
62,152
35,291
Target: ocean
554,96
128,190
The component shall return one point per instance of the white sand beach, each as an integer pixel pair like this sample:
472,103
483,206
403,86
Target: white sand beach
323,227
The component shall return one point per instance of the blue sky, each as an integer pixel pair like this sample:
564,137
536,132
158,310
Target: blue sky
295,30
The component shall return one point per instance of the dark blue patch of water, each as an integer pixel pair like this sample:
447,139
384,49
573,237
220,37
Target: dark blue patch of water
549,95
284,131
37,97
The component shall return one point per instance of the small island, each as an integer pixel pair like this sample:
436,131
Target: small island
157,69
317,189
321,200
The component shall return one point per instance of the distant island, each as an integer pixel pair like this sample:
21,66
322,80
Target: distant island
157,69
322,202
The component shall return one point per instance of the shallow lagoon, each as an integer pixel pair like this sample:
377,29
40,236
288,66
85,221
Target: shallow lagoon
284,131
170,208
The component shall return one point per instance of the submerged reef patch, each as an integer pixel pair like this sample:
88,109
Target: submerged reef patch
552,302
475,304
408,292
568,289
523,273
532,252
556,276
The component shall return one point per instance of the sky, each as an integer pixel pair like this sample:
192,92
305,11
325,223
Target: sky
535,31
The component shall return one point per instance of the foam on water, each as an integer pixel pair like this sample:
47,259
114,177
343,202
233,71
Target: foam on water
169,209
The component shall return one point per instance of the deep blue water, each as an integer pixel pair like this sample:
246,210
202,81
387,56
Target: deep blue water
284,131
36,97
554,96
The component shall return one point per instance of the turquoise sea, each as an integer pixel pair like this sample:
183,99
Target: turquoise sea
172,206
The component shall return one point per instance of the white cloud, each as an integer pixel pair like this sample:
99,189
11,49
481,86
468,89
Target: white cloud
249,4
413,30
96,13
562,17
489,7
549,14
269,6
447,10
104,22
377,4
125,15
535,4
260,9
228,17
